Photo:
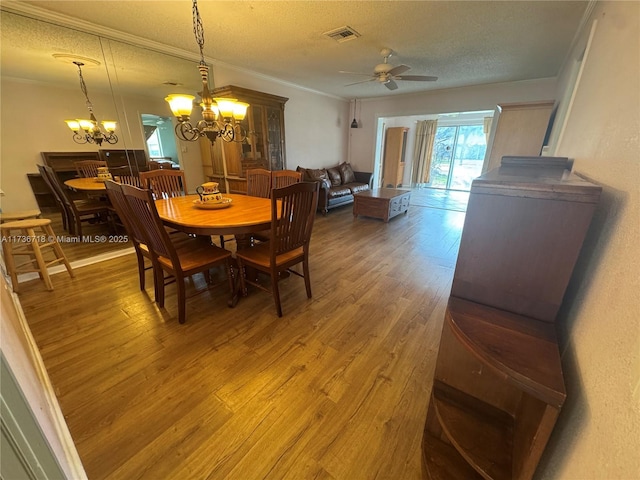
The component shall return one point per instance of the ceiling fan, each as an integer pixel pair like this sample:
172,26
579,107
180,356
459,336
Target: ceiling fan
388,74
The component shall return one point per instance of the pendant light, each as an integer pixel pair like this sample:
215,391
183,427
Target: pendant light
354,123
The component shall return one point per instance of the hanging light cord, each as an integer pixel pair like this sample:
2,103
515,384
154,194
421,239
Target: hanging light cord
198,30
83,87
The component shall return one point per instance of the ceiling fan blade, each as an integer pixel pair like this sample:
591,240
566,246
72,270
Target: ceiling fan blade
361,81
417,78
399,70
391,85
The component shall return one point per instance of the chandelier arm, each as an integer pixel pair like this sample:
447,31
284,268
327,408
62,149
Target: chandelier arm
81,139
185,131
112,138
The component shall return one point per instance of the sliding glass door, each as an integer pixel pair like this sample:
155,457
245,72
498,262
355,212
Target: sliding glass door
458,154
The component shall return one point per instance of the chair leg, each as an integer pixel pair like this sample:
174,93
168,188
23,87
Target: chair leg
307,278
276,291
141,271
7,251
42,266
159,281
58,249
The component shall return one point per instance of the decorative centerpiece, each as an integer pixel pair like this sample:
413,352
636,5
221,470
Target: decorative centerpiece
103,174
209,193
210,197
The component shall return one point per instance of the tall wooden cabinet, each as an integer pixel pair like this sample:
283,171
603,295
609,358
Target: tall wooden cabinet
498,386
394,156
227,163
517,129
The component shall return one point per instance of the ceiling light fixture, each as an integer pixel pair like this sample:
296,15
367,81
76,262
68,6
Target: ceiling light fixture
354,124
88,131
221,116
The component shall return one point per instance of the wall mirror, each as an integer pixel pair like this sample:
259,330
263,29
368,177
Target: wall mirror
128,85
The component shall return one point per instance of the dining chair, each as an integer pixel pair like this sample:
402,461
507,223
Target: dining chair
258,182
178,259
135,234
88,168
66,216
292,214
129,180
164,183
78,210
284,178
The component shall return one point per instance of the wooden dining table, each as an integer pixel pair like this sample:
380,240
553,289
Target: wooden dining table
86,184
244,215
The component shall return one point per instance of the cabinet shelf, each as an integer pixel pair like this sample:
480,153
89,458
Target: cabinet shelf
443,462
522,349
481,433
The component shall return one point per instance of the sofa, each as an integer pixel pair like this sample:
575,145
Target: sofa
337,184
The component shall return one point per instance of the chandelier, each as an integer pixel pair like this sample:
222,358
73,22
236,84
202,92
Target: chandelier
88,131
221,117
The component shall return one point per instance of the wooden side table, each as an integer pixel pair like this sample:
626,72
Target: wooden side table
383,203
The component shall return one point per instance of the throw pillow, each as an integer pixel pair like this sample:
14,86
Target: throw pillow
346,172
319,175
334,176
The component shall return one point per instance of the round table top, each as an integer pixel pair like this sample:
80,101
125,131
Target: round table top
246,214
87,184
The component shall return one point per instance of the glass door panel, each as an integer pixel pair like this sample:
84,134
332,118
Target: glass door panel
458,154
441,157
468,157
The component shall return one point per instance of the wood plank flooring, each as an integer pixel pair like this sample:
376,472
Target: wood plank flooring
335,389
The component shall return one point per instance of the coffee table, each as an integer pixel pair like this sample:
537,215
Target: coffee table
383,203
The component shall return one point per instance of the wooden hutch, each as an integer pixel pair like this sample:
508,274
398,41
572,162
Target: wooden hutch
498,386
264,147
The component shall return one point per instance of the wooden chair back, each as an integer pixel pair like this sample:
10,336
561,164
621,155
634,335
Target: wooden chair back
88,168
76,214
119,203
66,222
164,183
54,183
258,182
292,214
284,178
129,180
147,222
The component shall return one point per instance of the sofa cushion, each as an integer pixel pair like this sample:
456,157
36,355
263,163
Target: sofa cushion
357,187
346,173
339,191
334,176
318,175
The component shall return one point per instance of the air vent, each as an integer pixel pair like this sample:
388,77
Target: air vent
169,83
342,34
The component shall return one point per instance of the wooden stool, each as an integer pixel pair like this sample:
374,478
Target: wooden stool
30,237
23,215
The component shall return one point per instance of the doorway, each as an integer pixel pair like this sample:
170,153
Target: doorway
458,150
159,137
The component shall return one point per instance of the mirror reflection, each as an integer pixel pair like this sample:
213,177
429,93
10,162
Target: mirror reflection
125,83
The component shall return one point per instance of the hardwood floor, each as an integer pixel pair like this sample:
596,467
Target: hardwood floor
336,389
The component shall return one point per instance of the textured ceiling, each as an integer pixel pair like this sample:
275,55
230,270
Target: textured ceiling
462,43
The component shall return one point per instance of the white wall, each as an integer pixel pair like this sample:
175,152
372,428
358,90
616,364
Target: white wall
483,97
598,433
